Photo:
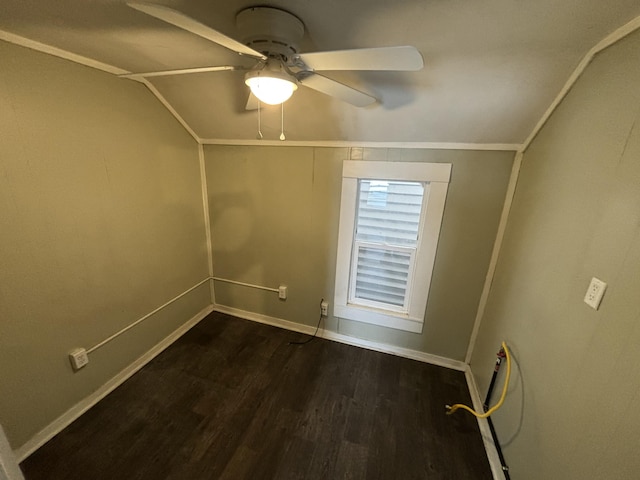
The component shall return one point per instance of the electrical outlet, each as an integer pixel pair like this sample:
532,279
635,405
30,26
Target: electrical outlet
324,308
282,292
78,358
594,293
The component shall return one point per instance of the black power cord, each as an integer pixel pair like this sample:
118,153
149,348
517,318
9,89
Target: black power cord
314,333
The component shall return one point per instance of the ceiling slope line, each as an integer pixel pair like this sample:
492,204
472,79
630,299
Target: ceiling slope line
170,108
89,62
169,73
60,53
510,147
606,42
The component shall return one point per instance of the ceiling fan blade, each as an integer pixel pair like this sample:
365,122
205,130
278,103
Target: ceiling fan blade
252,102
180,20
336,89
181,71
404,58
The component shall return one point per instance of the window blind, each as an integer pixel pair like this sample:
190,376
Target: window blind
386,237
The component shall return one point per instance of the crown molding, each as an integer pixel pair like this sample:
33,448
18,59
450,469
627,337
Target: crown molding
60,53
511,147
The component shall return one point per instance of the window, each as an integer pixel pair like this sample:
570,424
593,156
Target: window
388,215
390,218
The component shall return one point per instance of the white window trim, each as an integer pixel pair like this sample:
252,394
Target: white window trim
438,176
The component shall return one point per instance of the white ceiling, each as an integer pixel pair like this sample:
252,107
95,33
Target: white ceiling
492,67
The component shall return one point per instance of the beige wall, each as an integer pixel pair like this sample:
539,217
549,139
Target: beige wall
101,222
574,411
274,220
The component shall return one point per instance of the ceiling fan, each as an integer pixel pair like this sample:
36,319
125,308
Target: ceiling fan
271,36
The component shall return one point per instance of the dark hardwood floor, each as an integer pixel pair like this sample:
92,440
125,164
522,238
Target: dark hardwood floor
232,399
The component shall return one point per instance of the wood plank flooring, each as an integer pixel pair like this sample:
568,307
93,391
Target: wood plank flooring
232,399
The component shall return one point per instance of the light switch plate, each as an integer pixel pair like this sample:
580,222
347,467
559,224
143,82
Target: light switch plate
595,292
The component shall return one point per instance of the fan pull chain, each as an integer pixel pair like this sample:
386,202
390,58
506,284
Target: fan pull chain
282,137
259,136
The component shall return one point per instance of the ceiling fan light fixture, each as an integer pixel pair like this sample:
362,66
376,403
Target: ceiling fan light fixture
270,86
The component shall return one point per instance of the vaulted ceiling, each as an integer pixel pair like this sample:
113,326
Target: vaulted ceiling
492,67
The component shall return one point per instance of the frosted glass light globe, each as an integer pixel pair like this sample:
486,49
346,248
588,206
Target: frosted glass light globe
269,89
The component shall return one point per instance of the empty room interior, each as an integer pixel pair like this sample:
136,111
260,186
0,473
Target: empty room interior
247,240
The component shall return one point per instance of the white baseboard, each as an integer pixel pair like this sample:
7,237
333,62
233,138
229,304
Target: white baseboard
259,318
9,469
394,350
485,431
64,420
346,339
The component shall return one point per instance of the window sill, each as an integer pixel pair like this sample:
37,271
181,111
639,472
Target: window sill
377,317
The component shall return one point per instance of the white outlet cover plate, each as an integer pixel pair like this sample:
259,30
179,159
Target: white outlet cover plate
324,308
282,292
594,294
78,358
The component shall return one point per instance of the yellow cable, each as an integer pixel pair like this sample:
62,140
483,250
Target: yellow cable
486,414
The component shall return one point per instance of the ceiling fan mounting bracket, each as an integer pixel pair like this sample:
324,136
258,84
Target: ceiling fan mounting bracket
271,31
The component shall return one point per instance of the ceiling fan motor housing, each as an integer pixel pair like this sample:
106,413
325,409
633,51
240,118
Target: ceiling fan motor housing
275,33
